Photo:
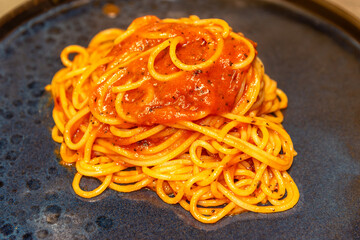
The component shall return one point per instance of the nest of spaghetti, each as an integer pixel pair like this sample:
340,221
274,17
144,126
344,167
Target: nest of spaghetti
179,106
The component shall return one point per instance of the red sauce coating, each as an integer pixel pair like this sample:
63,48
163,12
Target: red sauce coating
211,90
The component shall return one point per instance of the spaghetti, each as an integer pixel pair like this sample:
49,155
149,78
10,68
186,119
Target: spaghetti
180,106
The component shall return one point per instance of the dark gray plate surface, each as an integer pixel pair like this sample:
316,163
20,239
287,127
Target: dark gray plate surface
315,63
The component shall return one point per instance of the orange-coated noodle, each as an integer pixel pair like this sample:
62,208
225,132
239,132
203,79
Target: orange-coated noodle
180,106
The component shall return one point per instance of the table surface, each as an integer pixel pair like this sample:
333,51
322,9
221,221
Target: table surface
351,6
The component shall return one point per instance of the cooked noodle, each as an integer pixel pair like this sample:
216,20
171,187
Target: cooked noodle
180,106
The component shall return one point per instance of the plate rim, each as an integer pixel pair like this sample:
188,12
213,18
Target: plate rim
322,9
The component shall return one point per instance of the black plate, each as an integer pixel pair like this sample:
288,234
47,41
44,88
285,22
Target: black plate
315,62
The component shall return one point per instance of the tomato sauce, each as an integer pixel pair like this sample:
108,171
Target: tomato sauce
211,90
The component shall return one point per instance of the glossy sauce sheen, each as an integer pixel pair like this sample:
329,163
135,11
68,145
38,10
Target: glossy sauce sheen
211,90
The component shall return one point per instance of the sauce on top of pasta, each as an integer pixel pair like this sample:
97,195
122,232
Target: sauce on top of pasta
189,96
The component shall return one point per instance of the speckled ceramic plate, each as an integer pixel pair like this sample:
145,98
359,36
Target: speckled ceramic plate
314,61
